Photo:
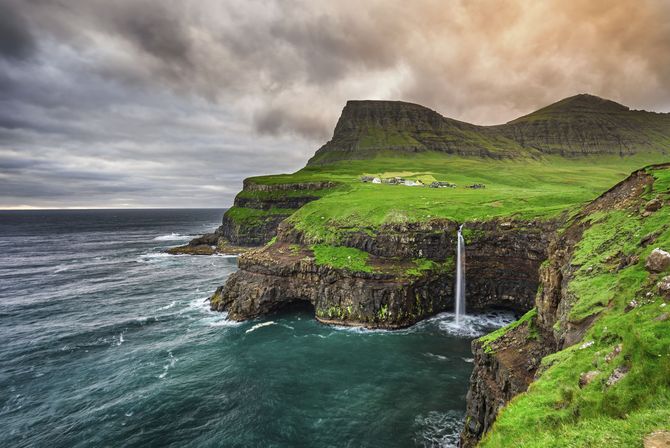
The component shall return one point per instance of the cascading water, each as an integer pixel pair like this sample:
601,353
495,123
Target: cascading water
459,297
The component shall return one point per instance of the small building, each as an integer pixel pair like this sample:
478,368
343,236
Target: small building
376,180
442,185
476,186
367,178
412,183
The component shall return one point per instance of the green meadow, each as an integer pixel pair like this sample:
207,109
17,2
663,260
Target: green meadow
524,188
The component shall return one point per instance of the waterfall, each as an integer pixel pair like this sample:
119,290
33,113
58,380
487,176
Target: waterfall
459,297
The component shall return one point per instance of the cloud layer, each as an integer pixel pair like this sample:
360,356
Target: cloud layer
173,102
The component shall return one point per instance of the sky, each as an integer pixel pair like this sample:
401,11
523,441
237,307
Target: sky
172,103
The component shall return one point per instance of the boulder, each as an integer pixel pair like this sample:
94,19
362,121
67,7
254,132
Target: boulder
618,374
614,353
586,377
658,260
657,439
649,238
664,287
653,205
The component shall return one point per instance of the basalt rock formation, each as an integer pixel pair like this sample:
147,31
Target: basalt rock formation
255,216
272,278
503,263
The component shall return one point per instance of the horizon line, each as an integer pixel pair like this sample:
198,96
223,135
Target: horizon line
30,208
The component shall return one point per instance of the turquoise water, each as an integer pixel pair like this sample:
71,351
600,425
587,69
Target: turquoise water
106,341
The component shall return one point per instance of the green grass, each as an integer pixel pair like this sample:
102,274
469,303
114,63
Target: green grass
340,257
522,189
526,319
424,265
555,411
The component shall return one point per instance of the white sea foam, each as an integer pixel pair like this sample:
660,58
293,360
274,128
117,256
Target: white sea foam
433,355
171,362
472,325
121,340
221,321
153,257
61,268
261,325
168,306
172,237
438,429
361,330
211,318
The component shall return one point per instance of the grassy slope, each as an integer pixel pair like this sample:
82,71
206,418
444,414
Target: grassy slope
556,412
526,188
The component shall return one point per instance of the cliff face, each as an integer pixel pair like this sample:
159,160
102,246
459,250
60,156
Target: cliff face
272,278
503,369
506,363
502,261
255,216
259,208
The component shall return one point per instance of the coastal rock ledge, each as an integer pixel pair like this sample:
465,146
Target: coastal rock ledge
392,292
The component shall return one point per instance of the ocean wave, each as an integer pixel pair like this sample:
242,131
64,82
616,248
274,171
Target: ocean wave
261,325
168,306
171,362
212,318
363,330
172,237
152,256
438,429
433,355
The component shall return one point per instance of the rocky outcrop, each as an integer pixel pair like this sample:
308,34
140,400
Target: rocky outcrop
658,260
255,216
503,369
279,275
507,366
502,261
259,209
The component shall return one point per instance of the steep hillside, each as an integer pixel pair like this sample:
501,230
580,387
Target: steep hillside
585,124
602,318
576,126
367,127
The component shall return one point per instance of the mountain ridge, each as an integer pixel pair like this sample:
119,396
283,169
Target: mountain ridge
579,125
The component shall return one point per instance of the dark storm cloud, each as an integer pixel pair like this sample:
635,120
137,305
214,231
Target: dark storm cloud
173,102
16,41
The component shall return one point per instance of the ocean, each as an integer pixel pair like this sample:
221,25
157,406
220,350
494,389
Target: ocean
105,340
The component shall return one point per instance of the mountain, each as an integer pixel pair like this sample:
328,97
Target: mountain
576,126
